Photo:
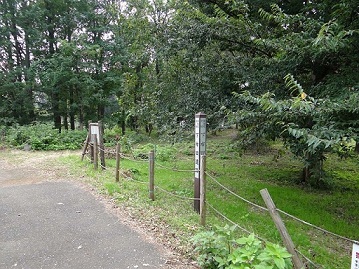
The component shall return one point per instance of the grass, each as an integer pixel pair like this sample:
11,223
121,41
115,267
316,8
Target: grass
335,208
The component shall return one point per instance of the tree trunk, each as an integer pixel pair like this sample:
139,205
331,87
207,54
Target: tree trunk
56,111
72,110
28,79
123,122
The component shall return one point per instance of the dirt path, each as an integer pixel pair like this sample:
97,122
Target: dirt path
20,168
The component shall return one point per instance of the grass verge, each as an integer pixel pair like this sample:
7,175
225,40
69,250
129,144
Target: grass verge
335,208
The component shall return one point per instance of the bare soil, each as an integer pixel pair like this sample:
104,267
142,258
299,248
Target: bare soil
28,167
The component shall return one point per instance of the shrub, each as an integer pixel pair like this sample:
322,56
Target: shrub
162,153
42,136
219,249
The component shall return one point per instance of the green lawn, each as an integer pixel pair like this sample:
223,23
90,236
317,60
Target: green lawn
335,208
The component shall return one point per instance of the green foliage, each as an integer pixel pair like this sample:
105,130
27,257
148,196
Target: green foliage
219,249
303,122
43,137
162,153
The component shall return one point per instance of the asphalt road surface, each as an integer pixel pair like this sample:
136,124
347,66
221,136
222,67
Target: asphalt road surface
61,225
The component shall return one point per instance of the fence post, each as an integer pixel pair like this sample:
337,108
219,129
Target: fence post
102,147
281,228
151,159
95,152
92,151
118,157
87,141
203,190
200,125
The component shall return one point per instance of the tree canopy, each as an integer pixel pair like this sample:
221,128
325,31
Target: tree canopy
278,69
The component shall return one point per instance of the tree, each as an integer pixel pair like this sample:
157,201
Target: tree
314,41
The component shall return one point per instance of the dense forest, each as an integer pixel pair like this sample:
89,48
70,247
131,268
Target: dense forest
283,69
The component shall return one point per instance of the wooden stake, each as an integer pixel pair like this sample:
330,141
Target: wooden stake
281,228
118,157
95,151
151,159
85,147
203,191
102,147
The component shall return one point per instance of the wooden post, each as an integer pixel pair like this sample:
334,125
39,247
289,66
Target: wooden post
90,138
87,141
102,147
118,157
95,151
91,151
151,159
200,149
203,190
281,228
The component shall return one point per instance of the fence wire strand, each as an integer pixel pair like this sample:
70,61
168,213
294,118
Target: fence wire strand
307,259
236,195
177,196
228,190
316,227
175,169
281,211
132,159
233,223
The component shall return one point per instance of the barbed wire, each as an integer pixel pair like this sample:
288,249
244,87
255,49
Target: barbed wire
233,193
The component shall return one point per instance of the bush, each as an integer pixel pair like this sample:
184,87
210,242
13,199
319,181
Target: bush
43,137
218,249
162,153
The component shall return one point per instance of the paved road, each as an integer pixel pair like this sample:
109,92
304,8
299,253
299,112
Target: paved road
61,225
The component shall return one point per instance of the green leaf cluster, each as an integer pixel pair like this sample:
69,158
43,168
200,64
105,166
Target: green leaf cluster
219,249
41,136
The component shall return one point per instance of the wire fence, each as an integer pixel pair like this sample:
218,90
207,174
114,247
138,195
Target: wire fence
308,262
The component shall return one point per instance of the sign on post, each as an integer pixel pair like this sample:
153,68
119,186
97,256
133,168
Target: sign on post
355,257
200,149
94,130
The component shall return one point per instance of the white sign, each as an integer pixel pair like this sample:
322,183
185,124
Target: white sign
200,142
355,257
95,130
200,149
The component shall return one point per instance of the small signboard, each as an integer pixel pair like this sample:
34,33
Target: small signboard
355,257
95,130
